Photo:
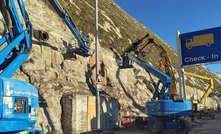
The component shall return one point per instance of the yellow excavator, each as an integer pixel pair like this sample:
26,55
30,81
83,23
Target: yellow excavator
199,107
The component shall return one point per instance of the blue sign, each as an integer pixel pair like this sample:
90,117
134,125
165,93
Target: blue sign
201,46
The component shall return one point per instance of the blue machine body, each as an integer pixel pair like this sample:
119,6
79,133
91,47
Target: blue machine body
18,100
164,111
84,41
19,105
169,108
162,104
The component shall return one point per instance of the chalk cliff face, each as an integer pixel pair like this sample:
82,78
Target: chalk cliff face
57,72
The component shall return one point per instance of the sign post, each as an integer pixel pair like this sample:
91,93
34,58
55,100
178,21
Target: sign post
181,76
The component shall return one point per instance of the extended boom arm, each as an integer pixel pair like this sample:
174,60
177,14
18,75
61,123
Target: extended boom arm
83,40
134,45
166,63
164,79
19,41
209,89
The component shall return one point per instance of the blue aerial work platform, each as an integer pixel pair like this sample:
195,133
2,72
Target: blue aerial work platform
164,112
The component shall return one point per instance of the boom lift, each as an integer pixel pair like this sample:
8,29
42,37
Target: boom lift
199,104
83,41
164,111
19,100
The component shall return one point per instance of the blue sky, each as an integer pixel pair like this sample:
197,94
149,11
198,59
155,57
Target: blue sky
164,17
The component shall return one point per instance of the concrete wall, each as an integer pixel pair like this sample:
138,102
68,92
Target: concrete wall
74,114
79,113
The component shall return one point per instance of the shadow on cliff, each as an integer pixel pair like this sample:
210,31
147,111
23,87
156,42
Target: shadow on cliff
69,54
109,112
109,106
42,43
43,105
109,115
89,81
135,104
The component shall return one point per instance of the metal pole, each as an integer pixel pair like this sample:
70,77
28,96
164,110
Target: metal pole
184,83
179,62
97,67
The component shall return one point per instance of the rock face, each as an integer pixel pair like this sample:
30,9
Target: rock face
58,73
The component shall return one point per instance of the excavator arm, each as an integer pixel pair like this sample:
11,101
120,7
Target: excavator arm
166,63
134,45
168,67
123,60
